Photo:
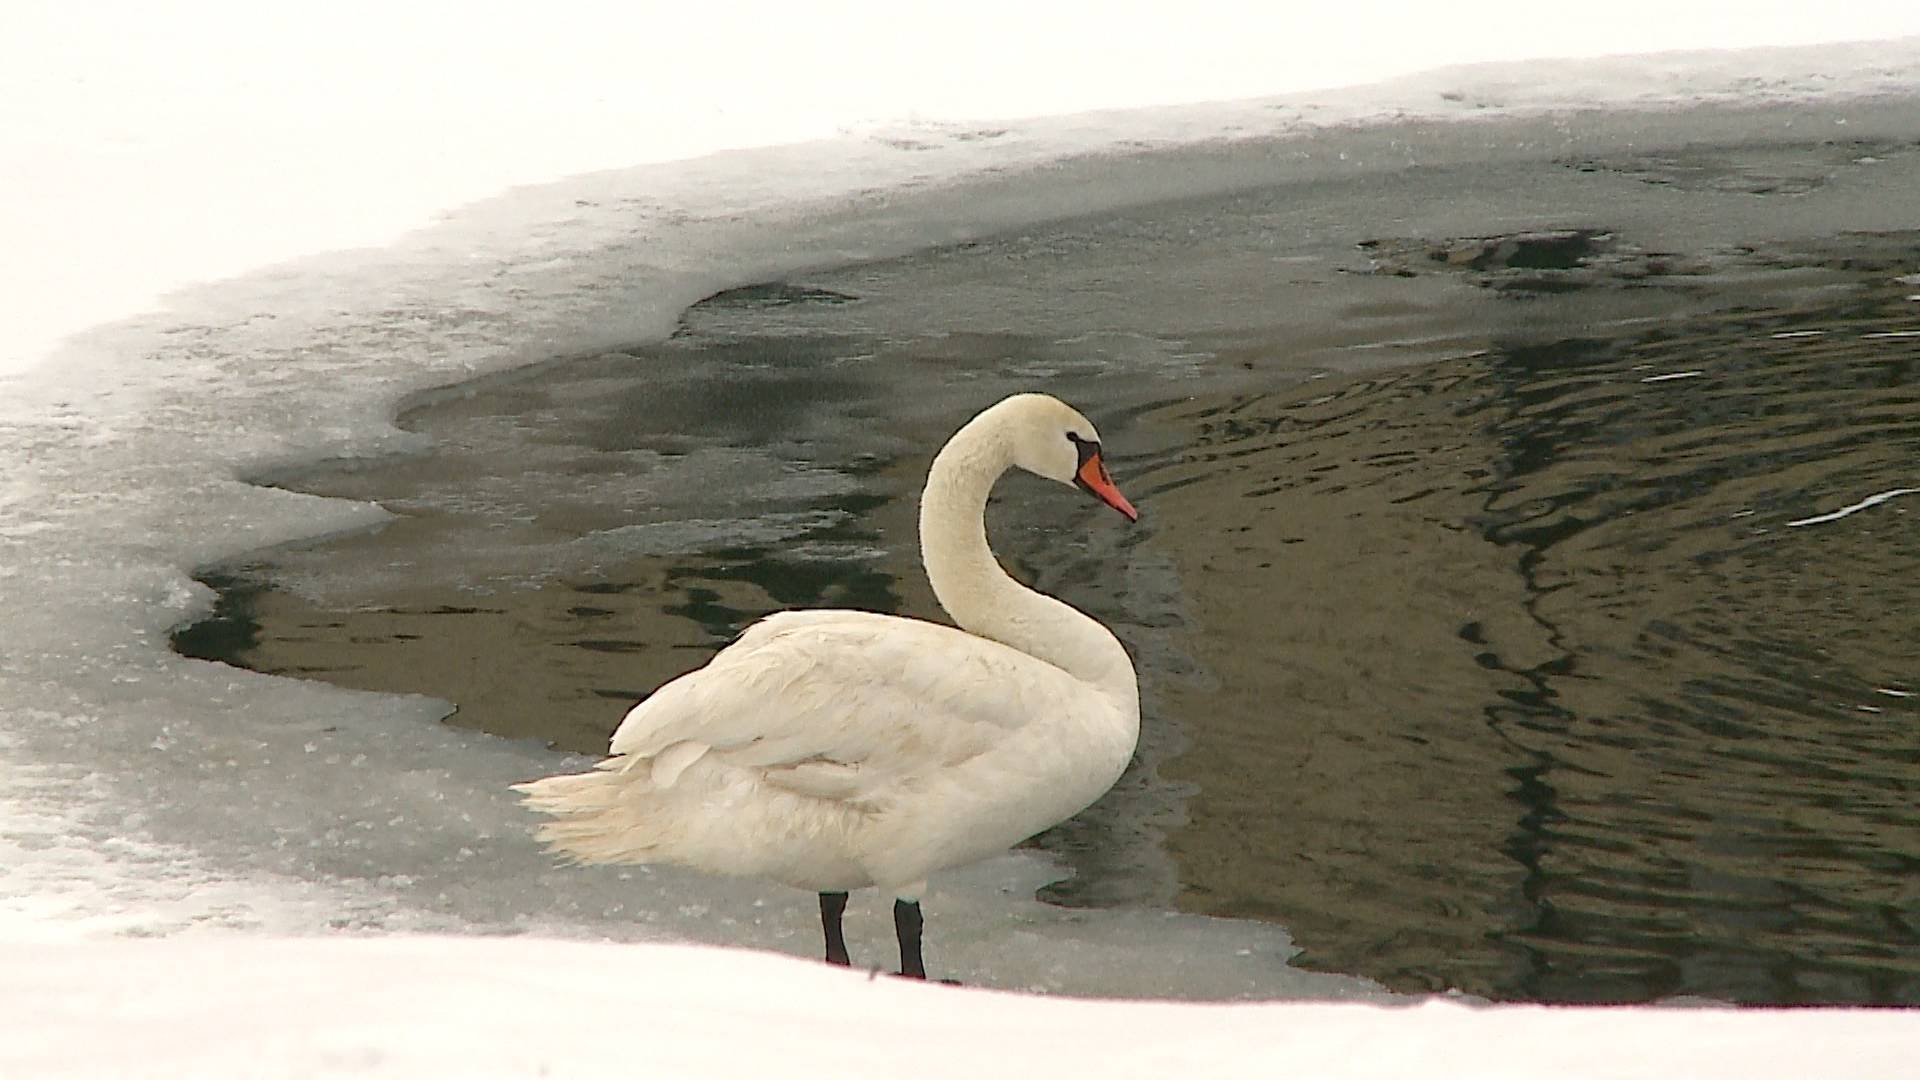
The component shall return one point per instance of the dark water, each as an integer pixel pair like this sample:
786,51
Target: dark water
1530,670
1565,690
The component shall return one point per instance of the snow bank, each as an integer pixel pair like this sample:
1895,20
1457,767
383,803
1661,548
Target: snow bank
478,1008
151,146
525,1007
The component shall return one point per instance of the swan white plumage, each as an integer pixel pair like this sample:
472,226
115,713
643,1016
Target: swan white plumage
835,750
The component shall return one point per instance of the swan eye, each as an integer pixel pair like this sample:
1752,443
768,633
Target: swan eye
1086,448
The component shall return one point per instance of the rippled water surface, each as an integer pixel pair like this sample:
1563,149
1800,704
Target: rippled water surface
1562,670
1571,662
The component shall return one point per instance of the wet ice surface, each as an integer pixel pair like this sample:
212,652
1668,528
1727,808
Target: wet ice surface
349,813
609,521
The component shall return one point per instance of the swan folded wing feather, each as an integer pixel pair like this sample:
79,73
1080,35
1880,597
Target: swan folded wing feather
668,764
836,703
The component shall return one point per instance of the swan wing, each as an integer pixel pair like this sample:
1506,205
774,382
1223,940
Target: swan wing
836,703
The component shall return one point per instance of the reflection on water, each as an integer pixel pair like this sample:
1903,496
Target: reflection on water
587,531
1542,672
1728,723
1559,682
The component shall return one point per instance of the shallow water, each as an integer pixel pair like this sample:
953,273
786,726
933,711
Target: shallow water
1508,671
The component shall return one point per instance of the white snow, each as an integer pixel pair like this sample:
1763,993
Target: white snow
478,1008
237,234
154,145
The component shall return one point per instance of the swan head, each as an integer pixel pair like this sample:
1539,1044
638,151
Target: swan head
1047,437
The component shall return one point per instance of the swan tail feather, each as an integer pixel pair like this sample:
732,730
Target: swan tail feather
601,816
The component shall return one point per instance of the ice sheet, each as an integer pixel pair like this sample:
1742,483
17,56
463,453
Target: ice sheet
147,794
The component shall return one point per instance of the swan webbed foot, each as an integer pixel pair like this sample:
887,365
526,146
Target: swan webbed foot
906,925
832,906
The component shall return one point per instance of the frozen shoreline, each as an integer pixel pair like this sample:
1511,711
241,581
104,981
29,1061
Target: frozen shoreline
149,795
146,462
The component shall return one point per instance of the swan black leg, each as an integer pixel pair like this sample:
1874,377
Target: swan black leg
906,924
832,906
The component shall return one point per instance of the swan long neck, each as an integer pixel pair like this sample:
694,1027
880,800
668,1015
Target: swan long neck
977,591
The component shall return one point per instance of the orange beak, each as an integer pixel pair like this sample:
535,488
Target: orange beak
1093,476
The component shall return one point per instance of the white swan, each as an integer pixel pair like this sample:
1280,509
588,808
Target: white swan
834,750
